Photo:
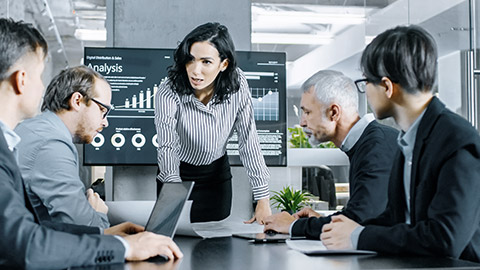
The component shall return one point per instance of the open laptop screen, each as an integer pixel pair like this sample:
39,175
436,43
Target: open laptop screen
168,207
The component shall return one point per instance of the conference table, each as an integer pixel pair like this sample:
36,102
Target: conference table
235,253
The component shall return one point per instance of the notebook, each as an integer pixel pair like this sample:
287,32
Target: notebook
168,207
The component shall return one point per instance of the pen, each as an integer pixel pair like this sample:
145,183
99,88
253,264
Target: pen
260,241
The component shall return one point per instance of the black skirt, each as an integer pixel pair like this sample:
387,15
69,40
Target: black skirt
212,192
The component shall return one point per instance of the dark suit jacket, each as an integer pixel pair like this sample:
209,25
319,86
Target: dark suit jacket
445,193
27,244
370,164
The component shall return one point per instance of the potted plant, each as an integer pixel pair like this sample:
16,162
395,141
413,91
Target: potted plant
289,200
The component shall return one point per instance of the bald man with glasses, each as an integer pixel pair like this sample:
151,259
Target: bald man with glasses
74,110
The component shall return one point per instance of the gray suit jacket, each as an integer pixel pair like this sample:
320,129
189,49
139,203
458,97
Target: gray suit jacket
25,243
48,161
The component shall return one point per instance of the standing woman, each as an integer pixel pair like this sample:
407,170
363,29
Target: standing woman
205,98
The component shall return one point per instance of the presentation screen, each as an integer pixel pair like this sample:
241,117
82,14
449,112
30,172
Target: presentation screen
135,74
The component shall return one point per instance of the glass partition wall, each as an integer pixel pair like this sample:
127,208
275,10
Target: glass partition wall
472,66
453,24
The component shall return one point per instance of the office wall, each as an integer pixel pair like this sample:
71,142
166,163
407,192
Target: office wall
13,9
449,81
162,24
16,9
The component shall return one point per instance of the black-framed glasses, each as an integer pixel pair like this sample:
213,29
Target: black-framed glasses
104,108
361,85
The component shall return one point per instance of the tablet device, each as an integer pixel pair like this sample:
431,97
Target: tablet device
266,237
168,208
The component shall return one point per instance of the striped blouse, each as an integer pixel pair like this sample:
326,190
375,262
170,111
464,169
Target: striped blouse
195,133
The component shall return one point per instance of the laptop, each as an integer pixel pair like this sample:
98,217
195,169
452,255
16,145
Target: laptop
168,208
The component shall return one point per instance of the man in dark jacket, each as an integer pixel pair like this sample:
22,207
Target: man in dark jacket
434,206
330,113
25,240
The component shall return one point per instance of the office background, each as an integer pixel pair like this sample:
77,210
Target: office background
315,34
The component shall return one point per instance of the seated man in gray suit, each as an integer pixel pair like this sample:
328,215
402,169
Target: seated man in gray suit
25,241
47,155
330,113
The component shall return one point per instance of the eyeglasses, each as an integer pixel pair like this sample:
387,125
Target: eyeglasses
104,108
361,85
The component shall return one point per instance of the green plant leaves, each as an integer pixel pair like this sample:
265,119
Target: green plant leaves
298,138
290,200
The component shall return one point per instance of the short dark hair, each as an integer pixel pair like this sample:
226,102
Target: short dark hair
79,79
407,55
16,40
227,82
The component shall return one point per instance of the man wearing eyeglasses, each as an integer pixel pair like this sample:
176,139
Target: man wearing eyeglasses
433,198
330,113
27,242
74,110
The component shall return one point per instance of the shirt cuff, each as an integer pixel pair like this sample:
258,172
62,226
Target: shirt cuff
125,244
355,235
169,179
261,192
291,227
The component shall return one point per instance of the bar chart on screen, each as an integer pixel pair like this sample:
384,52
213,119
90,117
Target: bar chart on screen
136,74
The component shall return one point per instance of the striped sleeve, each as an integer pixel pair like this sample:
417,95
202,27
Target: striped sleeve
167,137
249,145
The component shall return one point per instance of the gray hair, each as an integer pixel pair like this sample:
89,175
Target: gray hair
333,86
79,79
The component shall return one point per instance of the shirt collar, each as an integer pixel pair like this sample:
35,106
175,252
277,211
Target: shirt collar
356,132
187,98
192,99
406,140
55,120
10,136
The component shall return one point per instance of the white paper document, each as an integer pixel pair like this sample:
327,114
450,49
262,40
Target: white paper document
139,211
315,247
223,228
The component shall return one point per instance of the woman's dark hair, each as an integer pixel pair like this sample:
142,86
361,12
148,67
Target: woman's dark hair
79,79
217,35
405,54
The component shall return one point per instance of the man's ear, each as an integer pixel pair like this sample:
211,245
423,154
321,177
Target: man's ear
334,112
389,87
76,101
18,79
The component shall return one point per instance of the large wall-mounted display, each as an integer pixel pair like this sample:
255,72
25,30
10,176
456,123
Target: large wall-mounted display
135,74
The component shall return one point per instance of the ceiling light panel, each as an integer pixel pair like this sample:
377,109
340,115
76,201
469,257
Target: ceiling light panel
279,38
308,18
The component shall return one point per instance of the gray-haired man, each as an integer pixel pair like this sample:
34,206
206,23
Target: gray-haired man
330,113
